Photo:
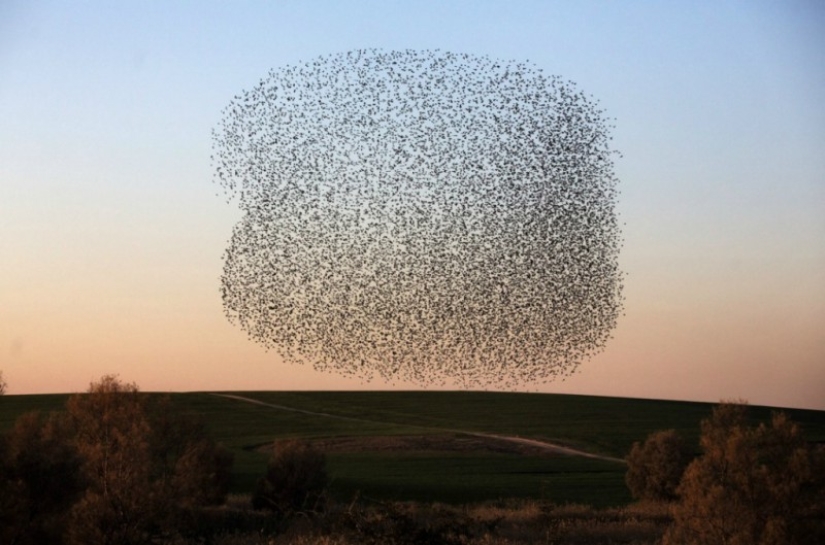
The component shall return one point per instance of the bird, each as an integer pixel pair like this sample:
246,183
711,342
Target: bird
421,215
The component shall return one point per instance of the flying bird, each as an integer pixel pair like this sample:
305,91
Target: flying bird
421,215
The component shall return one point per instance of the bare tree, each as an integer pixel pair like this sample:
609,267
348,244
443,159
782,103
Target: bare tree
121,503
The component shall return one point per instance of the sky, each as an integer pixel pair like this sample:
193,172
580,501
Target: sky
112,228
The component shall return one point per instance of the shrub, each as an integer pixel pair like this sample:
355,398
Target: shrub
39,480
295,479
202,474
754,486
196,469
655,467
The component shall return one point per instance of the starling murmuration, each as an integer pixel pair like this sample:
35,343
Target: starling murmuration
421,215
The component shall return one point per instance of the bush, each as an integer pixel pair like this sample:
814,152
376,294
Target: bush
40,478
202,474
195,467
655,468
754,486
295,479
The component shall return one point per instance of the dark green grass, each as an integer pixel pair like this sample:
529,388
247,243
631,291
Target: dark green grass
601,425
474,477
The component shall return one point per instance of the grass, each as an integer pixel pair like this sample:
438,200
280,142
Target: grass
466,478
601,425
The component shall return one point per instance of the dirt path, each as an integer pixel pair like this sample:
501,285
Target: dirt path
551,447
534,443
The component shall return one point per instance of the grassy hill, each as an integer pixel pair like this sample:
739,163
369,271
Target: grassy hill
601,425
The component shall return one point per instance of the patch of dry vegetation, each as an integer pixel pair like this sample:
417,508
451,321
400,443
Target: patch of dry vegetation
499,523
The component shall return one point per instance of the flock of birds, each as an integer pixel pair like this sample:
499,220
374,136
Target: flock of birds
427,216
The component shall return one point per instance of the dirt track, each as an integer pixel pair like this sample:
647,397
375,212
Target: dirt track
445,440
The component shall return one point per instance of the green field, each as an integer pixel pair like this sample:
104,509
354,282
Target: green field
600,425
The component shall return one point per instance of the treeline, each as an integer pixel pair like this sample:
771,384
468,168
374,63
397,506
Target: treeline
116,467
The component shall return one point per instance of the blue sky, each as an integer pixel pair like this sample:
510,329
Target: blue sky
112,231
